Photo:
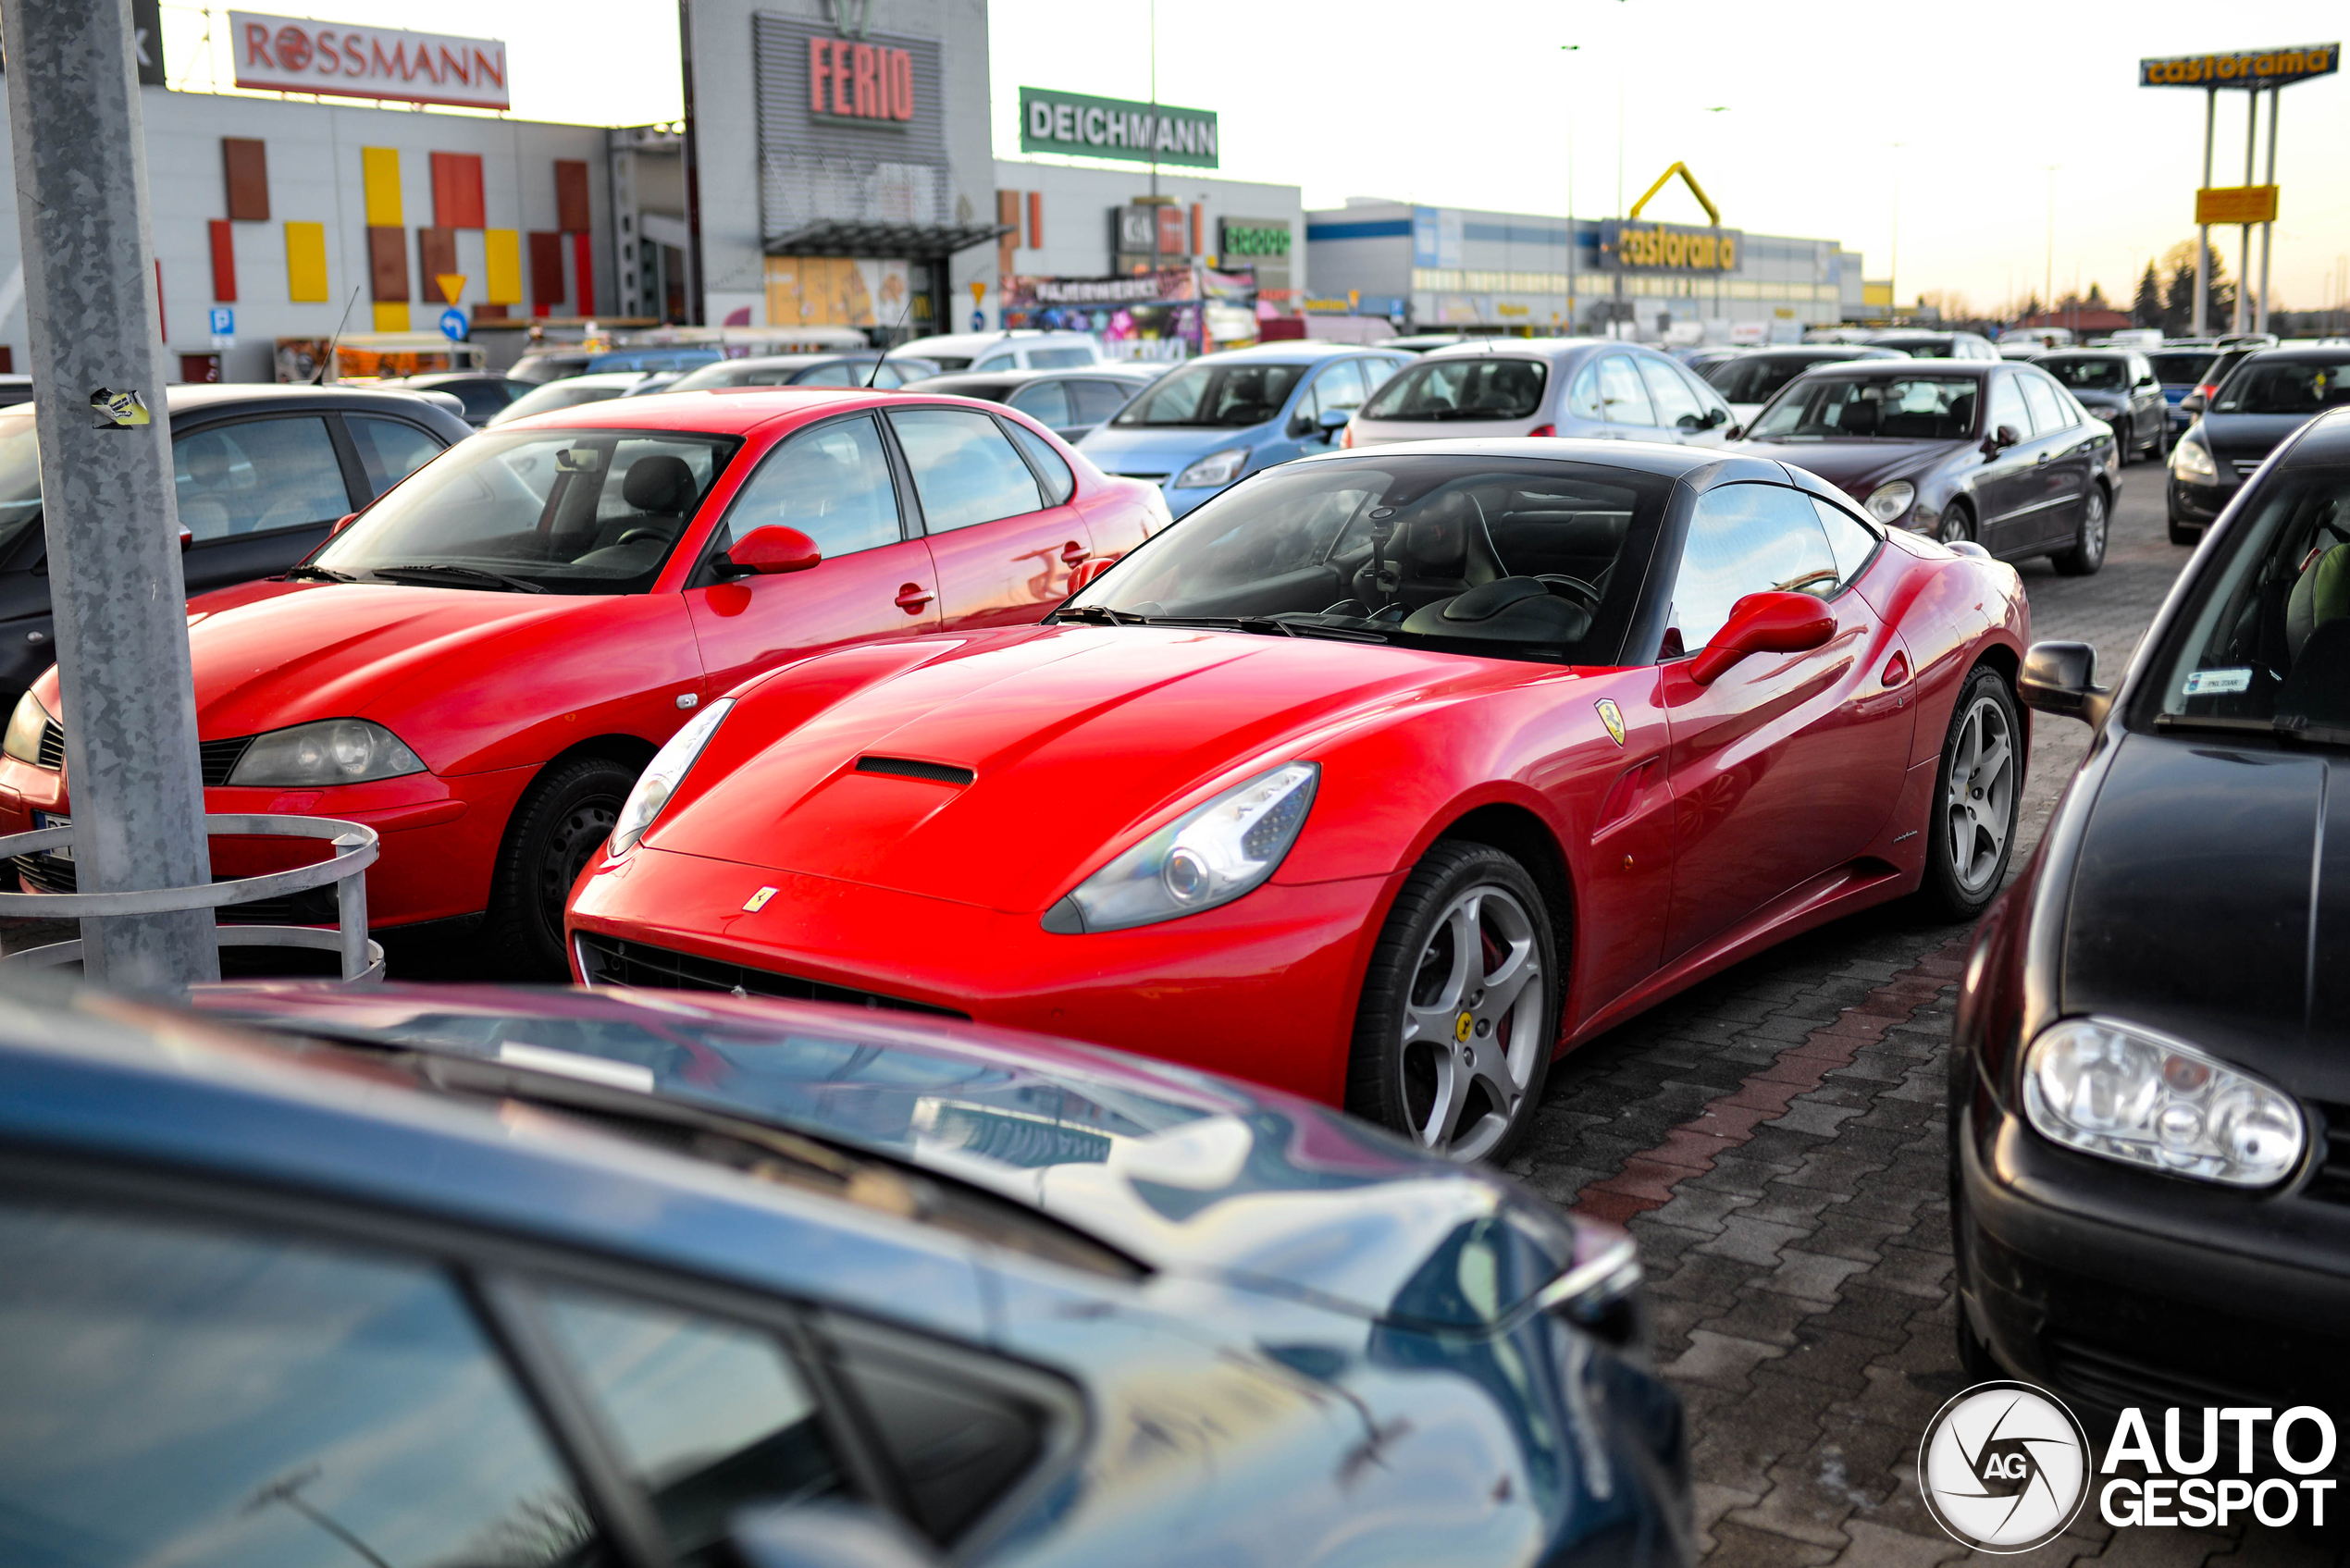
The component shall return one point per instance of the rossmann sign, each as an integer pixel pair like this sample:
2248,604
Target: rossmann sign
295,54
1660,247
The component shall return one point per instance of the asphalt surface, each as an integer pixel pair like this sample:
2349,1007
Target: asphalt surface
1774,1139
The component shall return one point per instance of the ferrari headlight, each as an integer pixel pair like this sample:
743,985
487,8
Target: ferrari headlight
1887,503
1216,468
1208,855
332,751
23,739
2190,464
663,775
2133,1095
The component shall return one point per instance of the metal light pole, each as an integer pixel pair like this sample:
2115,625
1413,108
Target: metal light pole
2203,230
128,697
2268,230
2237,318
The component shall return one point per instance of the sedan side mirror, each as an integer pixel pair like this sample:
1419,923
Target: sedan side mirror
1334,420
826,1536
772,550
2192,403
2061,678
1764,623
1735,433
2000,440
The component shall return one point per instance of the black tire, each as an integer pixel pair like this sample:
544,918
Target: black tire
2088,536
1951,891
2159,448
1958,523
1395,1078
563,820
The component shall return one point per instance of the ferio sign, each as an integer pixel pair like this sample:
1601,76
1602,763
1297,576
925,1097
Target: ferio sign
1116,128
295,54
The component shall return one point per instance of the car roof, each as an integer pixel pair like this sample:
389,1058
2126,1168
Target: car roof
1664,458
2307,351
1295,349
713,411
199,397
2325,439
1532,348
1904,367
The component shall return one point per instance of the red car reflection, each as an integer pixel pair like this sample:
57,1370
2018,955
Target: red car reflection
479,664
1378,778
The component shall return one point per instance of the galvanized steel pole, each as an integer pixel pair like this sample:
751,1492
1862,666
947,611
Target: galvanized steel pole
2202,229
2269,230
113,524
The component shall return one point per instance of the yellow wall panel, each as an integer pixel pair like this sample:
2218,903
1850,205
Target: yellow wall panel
391,315
504,266
380,170
307,262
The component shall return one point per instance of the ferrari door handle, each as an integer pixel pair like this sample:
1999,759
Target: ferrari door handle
912,598
1897,672
1073,552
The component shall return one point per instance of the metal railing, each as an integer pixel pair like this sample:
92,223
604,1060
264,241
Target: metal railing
355,846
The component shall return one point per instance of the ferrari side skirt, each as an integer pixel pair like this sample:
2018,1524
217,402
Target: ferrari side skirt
1850,888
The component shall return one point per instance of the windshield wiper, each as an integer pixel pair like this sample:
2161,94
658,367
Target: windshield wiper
470,574
1099,616
2285,726
318,573
1270,626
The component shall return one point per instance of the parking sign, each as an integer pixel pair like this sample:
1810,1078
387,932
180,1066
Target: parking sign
224,322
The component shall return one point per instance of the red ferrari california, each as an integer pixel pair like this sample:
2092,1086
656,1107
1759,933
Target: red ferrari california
1381,777
479,665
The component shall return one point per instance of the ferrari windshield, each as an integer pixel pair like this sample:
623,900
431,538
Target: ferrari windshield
1914,408
1508,557
581,511
2268,644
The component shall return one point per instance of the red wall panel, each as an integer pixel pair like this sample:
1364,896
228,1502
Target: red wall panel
456,191
224,263
546,271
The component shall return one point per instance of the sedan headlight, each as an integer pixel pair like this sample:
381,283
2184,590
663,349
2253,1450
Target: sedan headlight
1216,468
1887,503
1208,855
2190,464
23,739
332,751
663,775
2144,1098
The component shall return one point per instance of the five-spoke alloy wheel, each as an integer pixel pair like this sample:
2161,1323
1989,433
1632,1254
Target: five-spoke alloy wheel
1977,790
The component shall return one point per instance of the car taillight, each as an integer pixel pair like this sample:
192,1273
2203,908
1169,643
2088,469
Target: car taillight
2206,390
1346,437
1543,430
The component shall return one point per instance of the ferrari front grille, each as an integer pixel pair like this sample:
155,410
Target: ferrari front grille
608,961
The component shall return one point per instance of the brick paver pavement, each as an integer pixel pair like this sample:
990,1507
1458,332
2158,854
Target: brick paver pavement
1774,1139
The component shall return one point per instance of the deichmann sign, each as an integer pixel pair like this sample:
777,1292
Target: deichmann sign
1660,247
2251,68
1116,128
295,54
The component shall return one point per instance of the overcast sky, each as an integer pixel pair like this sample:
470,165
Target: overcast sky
1798,118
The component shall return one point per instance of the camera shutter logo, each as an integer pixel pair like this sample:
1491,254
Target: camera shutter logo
2004,1467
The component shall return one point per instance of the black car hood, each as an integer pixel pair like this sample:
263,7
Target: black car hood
1855,467
2246,436
2211,900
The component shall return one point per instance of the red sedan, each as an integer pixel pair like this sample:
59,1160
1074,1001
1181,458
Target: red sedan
479,665
1380,777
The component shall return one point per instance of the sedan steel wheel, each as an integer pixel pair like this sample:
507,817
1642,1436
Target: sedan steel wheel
1472,1030
1979,811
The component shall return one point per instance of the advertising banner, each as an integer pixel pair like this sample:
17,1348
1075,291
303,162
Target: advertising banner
1116,128
835,291
1168,283
295,54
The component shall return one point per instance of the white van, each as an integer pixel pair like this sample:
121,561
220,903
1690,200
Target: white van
1023,349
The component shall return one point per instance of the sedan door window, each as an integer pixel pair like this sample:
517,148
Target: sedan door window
1338,390
390,449
1096,400
1626,398
2007,408
965,469
839,374
1674,401
1746,539
832,483
1058,359
1045,401
1583,400
2049,416
218,1399
258,476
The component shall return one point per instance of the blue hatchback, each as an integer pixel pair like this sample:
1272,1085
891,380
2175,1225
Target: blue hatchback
1225,417
444,1276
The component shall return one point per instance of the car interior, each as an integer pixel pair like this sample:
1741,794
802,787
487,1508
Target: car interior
2273,642
1535,556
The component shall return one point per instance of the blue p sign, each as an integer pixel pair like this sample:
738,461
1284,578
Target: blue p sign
224,322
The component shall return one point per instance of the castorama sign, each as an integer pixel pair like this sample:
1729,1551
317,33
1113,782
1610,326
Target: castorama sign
294,55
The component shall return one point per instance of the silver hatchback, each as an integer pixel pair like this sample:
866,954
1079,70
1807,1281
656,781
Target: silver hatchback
1587,388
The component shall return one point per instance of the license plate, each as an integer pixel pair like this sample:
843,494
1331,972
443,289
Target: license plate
51,820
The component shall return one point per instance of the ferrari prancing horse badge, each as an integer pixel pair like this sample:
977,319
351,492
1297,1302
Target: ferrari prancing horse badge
1613,717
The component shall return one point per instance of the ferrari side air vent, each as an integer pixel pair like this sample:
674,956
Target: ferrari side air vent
907,767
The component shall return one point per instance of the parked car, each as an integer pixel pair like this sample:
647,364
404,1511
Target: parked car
1996,454
1920,344
481,394
1568,387
574,391
2031,343
1747,381
541,365
677,357
1421,342
874,369
482,661
2150,1068
2181,369
401,1273
2119,387
15,389
1022,349
261,472
1072,403
1201,429
1303,791
2265,395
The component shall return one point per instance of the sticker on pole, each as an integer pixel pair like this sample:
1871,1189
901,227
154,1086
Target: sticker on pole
452,324
116,411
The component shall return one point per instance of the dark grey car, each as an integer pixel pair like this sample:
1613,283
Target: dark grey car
1071,402
2119,387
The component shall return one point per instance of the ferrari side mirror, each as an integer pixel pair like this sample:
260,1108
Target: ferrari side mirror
2061,678
1764,623
345,520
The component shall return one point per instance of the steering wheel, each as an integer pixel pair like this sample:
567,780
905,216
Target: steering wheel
1575,590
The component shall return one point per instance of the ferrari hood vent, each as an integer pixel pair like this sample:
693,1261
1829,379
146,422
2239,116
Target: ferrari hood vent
910,768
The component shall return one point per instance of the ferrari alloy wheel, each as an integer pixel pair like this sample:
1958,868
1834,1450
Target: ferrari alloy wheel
2088,542
560,825
1460,1010
1977,790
